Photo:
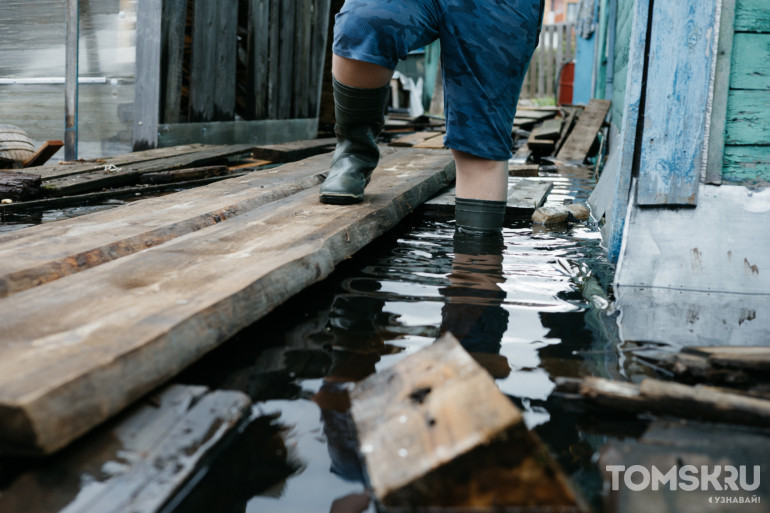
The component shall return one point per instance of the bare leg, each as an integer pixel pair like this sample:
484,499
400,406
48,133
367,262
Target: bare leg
364,75
479,178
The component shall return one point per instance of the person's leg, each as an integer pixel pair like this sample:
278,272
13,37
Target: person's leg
369,39
486,49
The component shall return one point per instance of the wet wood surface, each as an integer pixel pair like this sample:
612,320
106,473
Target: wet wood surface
80,348
296,150
140,461
578,144
428,441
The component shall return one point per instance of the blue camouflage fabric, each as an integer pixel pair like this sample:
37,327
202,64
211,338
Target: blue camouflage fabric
486,46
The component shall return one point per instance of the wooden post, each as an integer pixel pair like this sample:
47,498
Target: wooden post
147,93
71,82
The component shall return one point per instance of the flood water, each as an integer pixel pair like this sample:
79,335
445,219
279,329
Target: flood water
510,303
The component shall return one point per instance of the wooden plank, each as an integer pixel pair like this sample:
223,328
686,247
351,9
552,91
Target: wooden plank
679,85
748,68
721,77
319,38
579,142
754,358
522,155
274,56
538,114
748,122
83,347
19,186
147,92
286,31
566,127
129,174
752,16
47,150
214,50
295,150
540,146
173,21
427,439
407,141
181,175
436,143
549,130
524,197
144,459
262,131
258,57
303,24
47,252
524,170
746,164
72,78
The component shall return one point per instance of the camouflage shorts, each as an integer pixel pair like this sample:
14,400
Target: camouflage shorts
486,46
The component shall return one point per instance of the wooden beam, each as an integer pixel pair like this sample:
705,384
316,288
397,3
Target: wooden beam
80,349
147,92
43,154
71,80
580,141
429,440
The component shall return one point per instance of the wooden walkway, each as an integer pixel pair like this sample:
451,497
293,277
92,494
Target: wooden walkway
101,309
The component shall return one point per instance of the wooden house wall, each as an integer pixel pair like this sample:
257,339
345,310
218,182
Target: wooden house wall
623,24
747,126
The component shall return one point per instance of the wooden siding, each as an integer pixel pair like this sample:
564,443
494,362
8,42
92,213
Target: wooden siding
747,126
623,26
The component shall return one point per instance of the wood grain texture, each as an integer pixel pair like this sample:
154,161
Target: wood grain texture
427,438
749,68
258,57
148,70
295,150
47,150
714,163
319,43
673,156
746,164
752,16
83,347
173,21
579,142
143,459
748,122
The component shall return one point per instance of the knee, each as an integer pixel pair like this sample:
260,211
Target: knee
363,31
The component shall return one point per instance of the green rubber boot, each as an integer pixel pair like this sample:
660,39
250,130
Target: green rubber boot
360,115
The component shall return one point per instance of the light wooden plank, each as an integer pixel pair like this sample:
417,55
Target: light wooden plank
81,348
147,92
524,197
143,459
407,141
423,430
748,122
538,114
174,19
435,142
716,144
752,16
749,68
295,150
583,135
679,80
746,164
47,150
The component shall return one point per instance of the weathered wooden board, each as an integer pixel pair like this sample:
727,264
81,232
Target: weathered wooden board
410,140
258,57
747,119
435,431
746,164
79,349
47,150
130,174
19,186
142,460
524,196
538,114
522,155
148,71
550,130
435,142
296,150
679,85
540,146
721,90
180,175
752,16
50,251
583,135
755,358
749,68
173,22
523,170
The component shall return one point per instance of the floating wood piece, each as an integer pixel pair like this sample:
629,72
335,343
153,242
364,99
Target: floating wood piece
435,142
579,143
435,431
524,196
293,151
549,130
523,170
180,175
142,460
77,350
19,186
667,398
43,154
130,174
413,139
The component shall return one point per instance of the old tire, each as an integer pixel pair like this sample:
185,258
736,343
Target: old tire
15,144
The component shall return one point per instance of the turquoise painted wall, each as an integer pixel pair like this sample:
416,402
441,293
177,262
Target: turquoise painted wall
747,127
623,24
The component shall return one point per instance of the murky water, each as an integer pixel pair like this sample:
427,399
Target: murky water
510,302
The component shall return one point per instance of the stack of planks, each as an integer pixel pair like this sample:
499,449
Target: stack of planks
102,308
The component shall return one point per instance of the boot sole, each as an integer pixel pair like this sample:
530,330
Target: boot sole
334,199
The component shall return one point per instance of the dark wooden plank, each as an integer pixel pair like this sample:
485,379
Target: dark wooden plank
143,459
320,42
428,439
212,74
523,170
173,23
549,130
110,334
540,146
302,88
180,175
19,186
258,58
274,59
129,174
43,154
579,142
296,150
286,31
147,90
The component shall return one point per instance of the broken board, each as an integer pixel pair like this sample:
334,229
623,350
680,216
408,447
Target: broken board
436,432
138,462
80,348
525,195
578,145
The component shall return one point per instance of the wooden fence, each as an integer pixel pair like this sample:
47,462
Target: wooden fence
557,47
